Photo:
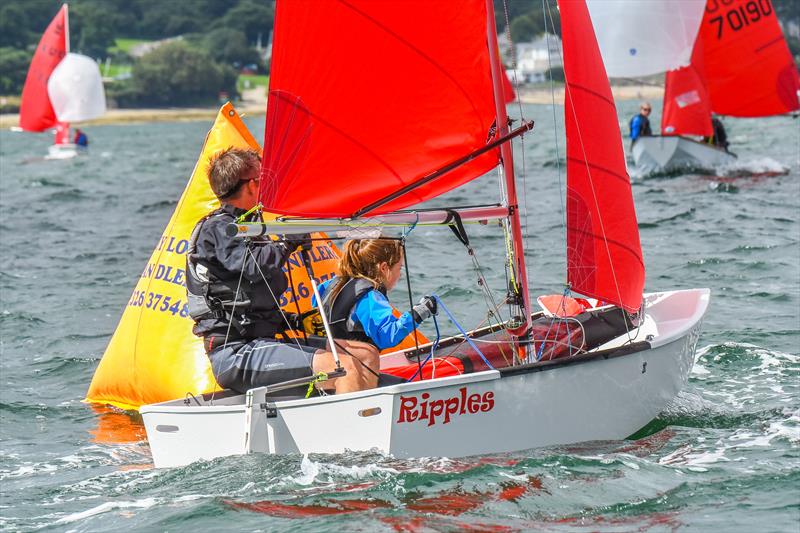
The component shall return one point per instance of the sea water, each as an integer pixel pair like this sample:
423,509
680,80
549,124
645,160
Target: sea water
724,456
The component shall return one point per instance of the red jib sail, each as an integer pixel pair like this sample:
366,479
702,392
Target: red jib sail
604,257
687,107
35,111
367,97
748,68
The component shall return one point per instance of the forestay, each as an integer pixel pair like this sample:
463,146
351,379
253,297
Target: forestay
604,257
350,123
638,38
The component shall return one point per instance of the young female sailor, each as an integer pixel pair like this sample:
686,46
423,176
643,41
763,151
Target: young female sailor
355,301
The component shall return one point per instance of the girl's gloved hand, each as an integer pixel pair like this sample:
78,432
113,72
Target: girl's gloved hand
424,309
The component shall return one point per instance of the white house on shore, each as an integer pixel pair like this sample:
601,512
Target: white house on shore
534,58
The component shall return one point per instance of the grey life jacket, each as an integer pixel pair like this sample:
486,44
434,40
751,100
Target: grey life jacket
339,308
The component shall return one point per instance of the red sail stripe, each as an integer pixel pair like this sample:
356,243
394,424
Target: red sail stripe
604,256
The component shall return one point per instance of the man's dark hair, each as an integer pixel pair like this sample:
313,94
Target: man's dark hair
228,167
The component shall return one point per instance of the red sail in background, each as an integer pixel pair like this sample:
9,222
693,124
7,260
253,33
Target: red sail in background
687,107
367,97
604,257
35,111
748,68
508,89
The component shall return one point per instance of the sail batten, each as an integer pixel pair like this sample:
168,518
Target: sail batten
604,257
354,123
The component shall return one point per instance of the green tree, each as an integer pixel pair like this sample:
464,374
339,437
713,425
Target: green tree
176,74
13,23
229,46
90,31
250,18
13,69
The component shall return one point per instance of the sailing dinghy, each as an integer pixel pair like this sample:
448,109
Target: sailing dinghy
727,58
61,88
532,379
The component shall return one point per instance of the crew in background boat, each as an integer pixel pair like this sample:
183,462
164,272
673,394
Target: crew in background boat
640,124
81,139
233,287
355,301
719,137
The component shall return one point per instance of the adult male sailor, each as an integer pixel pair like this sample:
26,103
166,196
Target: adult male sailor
640,123
233,287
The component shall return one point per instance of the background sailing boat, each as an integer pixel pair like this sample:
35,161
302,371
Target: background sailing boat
61,88
739,66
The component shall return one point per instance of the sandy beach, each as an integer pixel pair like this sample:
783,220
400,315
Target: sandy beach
254,102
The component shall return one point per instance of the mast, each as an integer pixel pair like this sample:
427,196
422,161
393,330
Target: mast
518,259
66,47
66,26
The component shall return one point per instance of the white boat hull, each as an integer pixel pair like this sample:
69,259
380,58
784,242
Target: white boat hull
606,396
670,153
65,151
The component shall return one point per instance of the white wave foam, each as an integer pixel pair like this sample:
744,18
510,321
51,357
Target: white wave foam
310,471
105,507
760,166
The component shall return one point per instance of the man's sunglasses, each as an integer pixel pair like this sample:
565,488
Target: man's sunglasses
237,187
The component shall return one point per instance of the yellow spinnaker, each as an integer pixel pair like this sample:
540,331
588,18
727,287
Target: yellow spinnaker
153,355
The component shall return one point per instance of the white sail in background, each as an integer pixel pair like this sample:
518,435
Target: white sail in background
76,89
639,38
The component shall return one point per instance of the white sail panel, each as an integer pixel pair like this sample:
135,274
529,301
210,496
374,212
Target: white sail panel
76,89
639,38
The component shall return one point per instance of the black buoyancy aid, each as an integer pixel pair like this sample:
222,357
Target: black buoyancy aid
339,308
208,296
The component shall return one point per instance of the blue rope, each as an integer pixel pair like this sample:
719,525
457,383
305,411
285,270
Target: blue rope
430,355
436,342
440,303
407,232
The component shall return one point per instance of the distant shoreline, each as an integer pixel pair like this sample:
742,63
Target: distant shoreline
251,108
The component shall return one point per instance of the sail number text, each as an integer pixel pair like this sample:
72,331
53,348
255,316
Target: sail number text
158,302
736,18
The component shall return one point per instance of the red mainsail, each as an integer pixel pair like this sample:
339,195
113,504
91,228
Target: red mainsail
367,97
604,257
35,111
749,70
687,107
